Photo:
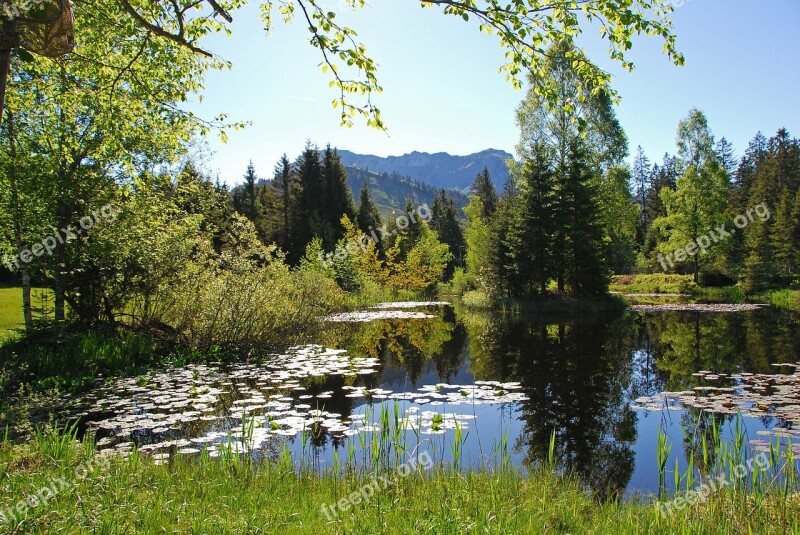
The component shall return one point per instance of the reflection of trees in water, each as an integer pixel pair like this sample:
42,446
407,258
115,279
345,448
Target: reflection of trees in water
407,344
576,375
687,342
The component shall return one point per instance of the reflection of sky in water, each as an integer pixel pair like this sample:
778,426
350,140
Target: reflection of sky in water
578,376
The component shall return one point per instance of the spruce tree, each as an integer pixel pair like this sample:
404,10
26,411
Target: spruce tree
484,188
782,236
337,199
307,221
368,218
250,190
445,221
641,183
531,228
585,272
283,179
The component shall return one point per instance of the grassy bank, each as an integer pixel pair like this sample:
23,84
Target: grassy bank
682,284
227,496
652,283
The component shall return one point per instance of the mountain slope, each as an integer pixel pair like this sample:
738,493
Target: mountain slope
442,170
390,191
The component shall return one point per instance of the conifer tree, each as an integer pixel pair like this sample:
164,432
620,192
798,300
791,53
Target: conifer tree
485,190
368,218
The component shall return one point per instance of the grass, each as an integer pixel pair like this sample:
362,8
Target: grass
788,299
11,308
652,283
223,496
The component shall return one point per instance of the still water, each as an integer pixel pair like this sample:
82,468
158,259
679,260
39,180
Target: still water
478,390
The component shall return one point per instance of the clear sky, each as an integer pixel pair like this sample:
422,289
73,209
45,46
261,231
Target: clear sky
442,91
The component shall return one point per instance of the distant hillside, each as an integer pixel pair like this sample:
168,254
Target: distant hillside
390,191
442,170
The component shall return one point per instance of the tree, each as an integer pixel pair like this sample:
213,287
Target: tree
91,121
783,236
641,181
445,222
582,267
484,189
368,218
726,157
619,215
284,178
338,199
701,198
250,192
582,140
530,237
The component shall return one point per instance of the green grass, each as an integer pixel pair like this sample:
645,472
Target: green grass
652,283
225,496
11,308
788,299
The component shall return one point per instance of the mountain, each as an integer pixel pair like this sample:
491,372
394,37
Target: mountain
390,191
442,170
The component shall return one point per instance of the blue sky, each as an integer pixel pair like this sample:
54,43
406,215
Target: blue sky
442,91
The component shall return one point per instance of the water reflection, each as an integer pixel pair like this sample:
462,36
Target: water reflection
579,377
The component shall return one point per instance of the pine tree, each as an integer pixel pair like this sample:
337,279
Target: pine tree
368,218
641,183
445,221
758,273
250,190
726,157
485,190
782,237
284,179
530,236
337,199
795,271
306,221
584,270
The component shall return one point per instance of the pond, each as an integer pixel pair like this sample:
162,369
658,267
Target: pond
478,390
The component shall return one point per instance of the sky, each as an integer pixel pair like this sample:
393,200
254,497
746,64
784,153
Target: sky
443,93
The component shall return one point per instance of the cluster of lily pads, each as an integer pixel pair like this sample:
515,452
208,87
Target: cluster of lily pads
250,406
747,394
388,311
698,307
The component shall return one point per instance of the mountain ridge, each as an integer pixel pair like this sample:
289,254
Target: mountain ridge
439,169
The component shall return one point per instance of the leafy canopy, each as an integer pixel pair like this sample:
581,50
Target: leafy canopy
525,29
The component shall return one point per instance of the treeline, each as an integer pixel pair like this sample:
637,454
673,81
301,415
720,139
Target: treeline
574,212
567,214
726,221
306,209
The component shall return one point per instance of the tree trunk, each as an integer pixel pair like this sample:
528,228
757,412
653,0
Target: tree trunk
15,199
59,257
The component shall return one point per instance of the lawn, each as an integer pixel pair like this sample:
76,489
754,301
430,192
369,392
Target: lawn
11,307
